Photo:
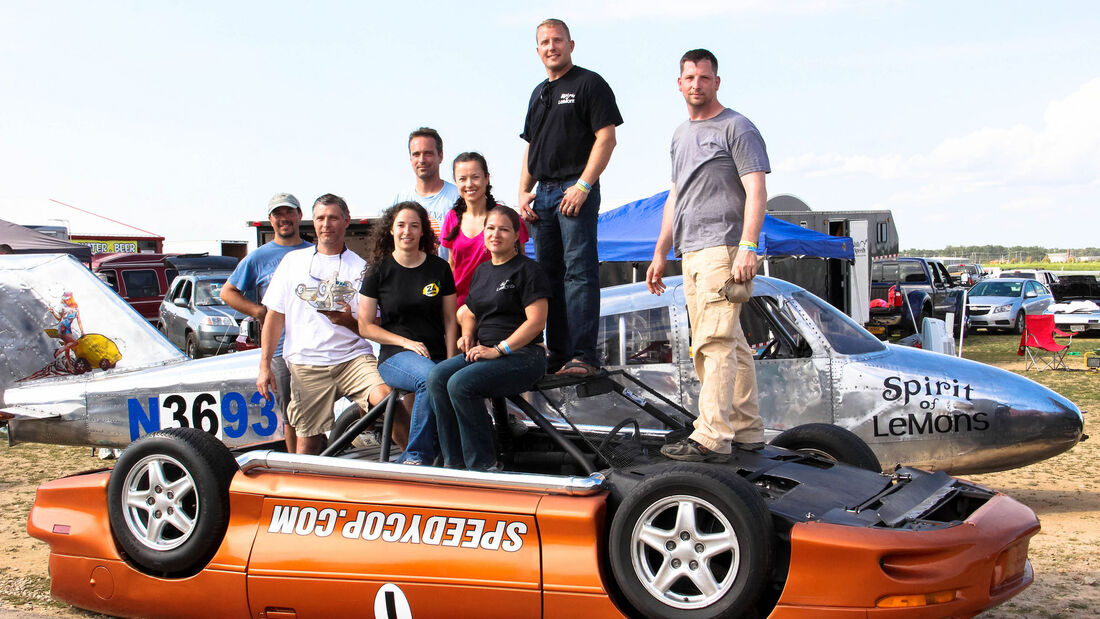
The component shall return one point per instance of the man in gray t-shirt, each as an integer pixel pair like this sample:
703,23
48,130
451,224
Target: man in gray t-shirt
713,214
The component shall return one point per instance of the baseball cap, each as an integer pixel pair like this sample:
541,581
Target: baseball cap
282,199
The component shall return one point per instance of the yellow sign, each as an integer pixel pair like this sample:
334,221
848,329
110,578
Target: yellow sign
104,246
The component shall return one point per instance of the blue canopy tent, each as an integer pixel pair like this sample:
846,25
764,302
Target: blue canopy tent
629,234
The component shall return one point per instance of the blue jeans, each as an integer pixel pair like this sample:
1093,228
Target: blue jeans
409,371
458,389
566,249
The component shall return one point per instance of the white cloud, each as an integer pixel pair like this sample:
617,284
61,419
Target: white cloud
1063,148
992,185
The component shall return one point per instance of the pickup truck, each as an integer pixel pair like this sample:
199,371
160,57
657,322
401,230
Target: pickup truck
1077,303
905,291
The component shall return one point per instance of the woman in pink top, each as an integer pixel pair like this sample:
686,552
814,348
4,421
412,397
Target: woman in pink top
464,225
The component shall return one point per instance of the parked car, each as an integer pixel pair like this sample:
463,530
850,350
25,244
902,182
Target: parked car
556,533
140,279
1041,275
967,274
905,291
194,317
1001,303
1076,305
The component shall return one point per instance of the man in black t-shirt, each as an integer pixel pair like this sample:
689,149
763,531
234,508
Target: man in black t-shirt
570,131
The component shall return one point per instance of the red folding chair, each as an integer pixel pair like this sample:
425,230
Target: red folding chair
1038,346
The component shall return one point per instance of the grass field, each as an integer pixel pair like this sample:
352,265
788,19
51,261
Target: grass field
1056,267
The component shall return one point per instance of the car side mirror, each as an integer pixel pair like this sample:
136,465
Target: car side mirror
1031,294
179,302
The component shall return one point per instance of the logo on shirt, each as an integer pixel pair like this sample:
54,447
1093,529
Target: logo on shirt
505,285
431,290
567,97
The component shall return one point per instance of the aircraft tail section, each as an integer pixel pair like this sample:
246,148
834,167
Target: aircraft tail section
60,324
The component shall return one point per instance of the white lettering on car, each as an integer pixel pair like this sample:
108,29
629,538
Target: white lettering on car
399,528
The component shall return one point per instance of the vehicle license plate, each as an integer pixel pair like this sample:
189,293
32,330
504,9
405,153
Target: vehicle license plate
1077,328
876,330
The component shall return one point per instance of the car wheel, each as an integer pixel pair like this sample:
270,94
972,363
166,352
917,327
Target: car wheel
831,442
168,500
344,421
192,347
81,366
1018,327
695,540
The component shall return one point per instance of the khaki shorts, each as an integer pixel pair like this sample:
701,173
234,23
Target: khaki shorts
316,388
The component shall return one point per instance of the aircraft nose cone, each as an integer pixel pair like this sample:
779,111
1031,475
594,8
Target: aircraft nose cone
1040,425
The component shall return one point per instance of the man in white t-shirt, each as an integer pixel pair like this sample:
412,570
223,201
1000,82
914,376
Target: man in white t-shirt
436,195
312,298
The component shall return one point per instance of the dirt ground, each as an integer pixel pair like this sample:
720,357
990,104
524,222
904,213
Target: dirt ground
1061,491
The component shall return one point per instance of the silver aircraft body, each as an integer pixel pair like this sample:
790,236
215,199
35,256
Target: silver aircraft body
813,365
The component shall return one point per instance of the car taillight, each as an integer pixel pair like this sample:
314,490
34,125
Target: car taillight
893,297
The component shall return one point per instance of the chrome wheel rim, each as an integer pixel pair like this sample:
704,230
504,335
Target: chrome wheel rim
161,505
685,552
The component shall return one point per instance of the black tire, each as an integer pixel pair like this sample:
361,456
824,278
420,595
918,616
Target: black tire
1018,326
185,474
721,502
192,347
832,442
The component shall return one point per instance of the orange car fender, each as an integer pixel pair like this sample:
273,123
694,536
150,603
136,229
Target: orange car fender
573,533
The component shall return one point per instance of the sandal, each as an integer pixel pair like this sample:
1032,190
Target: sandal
577,367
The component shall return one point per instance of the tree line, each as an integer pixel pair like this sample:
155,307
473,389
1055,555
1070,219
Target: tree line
1001,253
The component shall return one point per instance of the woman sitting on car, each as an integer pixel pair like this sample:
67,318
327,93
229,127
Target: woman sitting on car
416,293
502,323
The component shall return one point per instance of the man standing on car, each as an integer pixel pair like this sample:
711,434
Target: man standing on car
309,296
250,280
570,130
436,195
713,215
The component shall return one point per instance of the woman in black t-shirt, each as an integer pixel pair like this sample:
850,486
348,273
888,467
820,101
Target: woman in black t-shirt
502,323
416,293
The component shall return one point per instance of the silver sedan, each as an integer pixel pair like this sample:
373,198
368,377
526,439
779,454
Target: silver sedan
1001,303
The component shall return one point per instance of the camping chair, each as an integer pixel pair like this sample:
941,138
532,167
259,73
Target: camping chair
1037,343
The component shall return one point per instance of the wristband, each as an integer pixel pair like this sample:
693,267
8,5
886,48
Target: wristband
747,245
583,186
507,348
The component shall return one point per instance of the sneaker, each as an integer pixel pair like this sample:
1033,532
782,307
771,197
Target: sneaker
690,451
748,446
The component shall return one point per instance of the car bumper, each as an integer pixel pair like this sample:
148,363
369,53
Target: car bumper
214,340
971,566
1077,323
997,320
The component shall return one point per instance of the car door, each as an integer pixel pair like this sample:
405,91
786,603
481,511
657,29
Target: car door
177,326
1036,298
333,547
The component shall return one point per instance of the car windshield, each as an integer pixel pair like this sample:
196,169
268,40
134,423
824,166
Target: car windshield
844,335
208,292
997,289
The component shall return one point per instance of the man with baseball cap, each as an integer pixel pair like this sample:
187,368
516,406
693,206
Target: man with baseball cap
249,282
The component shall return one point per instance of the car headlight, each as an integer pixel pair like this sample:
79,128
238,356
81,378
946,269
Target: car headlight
218,321
1002,308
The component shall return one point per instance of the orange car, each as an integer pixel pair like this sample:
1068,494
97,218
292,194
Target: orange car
182,528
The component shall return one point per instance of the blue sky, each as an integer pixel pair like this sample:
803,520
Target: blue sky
975,122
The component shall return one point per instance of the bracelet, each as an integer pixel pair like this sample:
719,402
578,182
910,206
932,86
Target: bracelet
507,348
499,350
583,186
747,245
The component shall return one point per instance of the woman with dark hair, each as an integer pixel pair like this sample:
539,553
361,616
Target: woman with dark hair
502,323
416,293
463,226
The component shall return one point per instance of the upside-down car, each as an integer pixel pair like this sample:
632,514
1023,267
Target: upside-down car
579,525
